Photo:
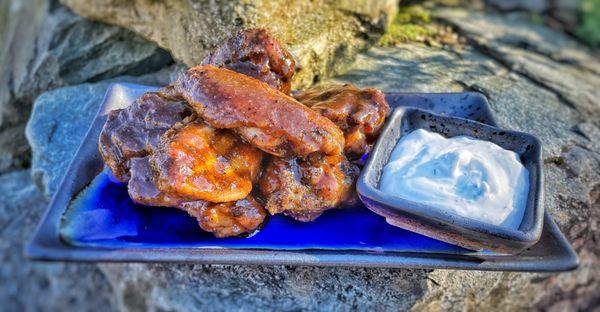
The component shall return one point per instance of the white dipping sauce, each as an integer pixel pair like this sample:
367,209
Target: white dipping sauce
465,176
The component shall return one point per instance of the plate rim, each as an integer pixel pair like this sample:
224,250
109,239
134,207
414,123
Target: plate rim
322,258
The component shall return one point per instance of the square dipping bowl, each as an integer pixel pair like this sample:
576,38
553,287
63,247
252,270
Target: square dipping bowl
446,226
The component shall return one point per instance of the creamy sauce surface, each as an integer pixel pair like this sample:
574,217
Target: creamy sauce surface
462,175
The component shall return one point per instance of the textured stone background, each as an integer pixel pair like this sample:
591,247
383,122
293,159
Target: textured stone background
322,34
537,80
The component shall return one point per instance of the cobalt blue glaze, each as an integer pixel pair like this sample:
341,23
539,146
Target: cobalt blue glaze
104,215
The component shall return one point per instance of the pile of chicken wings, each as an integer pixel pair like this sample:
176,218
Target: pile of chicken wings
228,144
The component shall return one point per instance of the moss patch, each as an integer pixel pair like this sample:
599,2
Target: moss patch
413,24
405,33
412,14
589,29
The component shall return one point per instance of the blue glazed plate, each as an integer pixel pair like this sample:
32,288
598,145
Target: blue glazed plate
91,218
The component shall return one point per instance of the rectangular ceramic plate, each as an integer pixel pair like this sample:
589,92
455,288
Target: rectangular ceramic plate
102,224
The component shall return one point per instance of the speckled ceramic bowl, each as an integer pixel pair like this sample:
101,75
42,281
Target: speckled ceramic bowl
446,226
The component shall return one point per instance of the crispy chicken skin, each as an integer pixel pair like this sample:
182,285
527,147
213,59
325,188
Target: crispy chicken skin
255,53
303,188
135,131
198,162
227,219
263,116
360,113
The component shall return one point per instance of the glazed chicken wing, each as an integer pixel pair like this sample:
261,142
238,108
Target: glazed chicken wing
263,116
227,219
135,131
360,113
255,53
303,188
143,190
222,219
198,162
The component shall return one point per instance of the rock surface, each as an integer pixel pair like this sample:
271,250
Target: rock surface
225,288
322,34
553,61
564,14
53,140
45,46
537,6
526,78
29,286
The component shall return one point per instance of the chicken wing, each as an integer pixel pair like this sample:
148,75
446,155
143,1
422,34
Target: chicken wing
263,116
198,162
303,188
135,131
142,188
222,219
255,53
360,113
227,219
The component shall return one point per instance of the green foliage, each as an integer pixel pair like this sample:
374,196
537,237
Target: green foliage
412,14
589,28
405,33
409,25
